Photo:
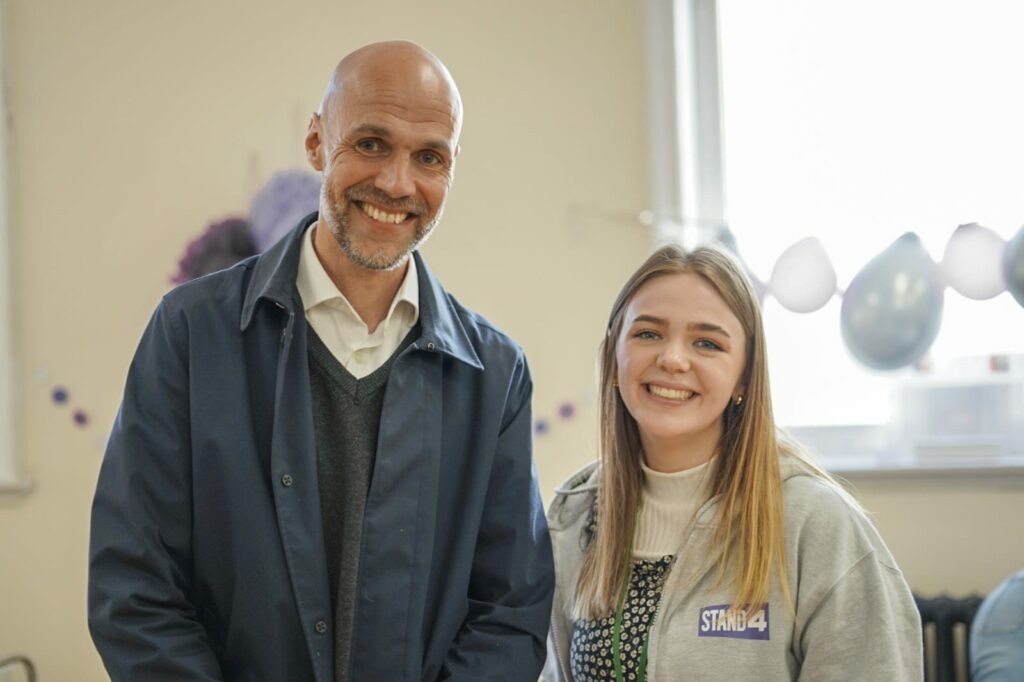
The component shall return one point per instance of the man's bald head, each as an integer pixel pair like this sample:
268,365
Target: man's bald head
398,66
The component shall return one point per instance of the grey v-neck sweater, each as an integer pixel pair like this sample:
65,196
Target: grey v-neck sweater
346,421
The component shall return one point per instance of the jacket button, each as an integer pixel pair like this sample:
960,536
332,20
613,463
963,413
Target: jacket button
321,627
287,481
430,346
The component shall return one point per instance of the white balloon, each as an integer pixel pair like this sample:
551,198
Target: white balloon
972,262
803,278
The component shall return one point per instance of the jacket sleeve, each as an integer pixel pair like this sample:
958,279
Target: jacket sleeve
140,616
512,580
867,623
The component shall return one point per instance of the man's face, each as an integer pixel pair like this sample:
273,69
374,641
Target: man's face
387,156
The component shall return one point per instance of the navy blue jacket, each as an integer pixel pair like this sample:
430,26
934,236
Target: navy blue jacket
206,553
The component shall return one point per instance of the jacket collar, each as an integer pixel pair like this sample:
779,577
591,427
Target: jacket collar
273,279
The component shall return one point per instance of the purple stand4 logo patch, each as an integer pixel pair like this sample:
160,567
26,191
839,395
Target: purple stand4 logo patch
721,620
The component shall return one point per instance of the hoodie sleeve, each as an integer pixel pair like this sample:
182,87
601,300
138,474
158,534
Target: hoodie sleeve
854,609
867,623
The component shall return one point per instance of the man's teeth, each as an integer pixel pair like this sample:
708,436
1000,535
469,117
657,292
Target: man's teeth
383,216
670,393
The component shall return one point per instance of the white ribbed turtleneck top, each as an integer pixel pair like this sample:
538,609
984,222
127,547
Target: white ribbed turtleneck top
668,503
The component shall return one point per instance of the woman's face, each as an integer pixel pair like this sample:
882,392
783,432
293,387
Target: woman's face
680,356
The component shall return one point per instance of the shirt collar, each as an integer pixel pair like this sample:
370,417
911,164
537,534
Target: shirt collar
273,279
316,286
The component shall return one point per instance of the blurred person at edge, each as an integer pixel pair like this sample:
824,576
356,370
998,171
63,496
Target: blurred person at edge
997,634
705,544
322,465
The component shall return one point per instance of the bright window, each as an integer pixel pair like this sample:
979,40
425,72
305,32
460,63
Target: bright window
855,123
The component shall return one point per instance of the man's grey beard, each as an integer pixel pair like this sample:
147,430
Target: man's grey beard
338,221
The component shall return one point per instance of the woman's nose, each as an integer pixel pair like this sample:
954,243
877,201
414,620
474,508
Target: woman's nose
674,359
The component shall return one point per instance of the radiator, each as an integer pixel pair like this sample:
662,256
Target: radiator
946,623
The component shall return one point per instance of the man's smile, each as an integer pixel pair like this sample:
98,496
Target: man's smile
381,215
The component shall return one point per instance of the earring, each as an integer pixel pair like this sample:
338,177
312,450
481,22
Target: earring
739,399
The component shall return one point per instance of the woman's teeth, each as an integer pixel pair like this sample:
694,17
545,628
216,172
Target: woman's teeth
670,393
383,216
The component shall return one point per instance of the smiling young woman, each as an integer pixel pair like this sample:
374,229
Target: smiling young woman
706,542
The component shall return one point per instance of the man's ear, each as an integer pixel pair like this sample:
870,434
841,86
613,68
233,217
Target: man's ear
315,144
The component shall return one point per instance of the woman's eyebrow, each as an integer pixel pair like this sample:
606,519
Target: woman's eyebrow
651,319
708,327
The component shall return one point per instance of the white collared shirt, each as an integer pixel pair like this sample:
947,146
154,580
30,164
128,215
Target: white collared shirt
338,324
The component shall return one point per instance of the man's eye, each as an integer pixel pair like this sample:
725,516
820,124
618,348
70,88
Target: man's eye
430,159
368,145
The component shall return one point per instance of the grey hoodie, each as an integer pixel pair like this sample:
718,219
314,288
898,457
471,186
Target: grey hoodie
853,616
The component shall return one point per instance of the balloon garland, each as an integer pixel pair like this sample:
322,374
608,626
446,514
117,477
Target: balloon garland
892,310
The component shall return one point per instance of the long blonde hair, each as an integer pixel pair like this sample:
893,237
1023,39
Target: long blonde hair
747,478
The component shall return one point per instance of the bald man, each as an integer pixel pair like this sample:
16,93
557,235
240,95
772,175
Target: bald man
321,468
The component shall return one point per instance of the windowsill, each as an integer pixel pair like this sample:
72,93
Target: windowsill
867,467
15,487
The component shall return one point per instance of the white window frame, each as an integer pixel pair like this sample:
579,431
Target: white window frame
11,478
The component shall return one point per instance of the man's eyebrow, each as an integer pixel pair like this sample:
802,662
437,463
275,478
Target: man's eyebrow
708,327
372,129
438,145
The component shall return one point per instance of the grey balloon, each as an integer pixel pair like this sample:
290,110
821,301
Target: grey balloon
892,309
1013,266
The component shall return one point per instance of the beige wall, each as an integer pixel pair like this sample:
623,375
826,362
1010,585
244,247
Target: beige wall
135,123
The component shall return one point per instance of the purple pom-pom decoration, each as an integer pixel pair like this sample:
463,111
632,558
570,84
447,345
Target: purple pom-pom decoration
287,197
222,245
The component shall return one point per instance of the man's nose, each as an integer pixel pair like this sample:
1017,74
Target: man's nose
395,178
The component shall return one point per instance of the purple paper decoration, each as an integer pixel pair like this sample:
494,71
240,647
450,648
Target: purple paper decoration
81,418
59,395
541,427
281,203
220,246
566,410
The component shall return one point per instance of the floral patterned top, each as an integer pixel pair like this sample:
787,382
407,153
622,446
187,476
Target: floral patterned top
590,651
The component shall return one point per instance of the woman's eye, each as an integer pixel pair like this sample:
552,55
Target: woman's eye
646,334
708,344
